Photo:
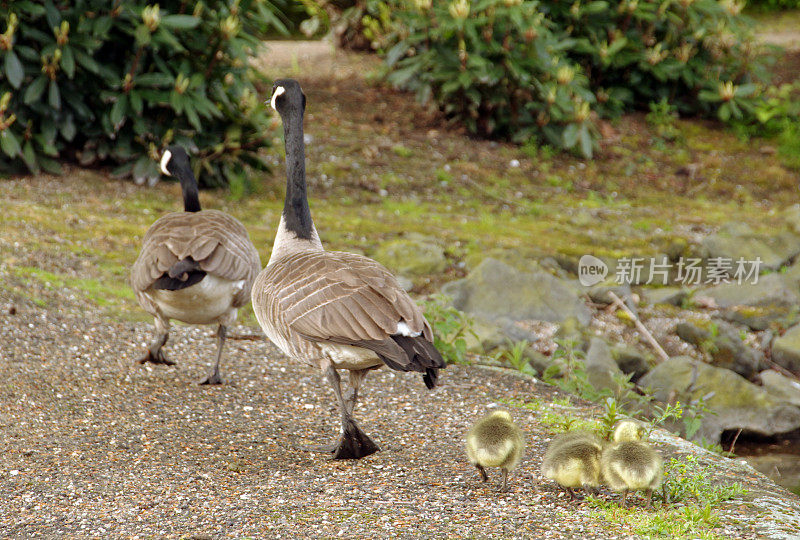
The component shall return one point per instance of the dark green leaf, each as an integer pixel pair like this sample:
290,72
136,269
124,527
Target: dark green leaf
29,157
182,22
118,111
136,102
191,115
54,96
586,142
13,69
53,15
87,61
34,90
68,61
142,35
570,135
50,165
102,25
9,143
154,79
68,127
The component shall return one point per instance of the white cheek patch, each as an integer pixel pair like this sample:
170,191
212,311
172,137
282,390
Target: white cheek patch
278,91
404,330
164,161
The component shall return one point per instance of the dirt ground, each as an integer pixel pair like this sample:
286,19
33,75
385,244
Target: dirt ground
95,446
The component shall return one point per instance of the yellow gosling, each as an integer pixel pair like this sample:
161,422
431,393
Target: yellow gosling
629,464
495,441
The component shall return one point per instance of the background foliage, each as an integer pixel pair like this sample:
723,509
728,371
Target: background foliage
545,71
115,82
772,5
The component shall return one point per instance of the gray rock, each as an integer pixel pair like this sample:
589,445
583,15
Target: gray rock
780,386
600,365
631,361
735,402
737,240
792,218
495,290
791,276
723,343
666,295
770,290
485,337
599,294
786,350
761,318
413,256
405,283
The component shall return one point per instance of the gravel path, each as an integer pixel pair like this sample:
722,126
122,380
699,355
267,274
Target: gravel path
93,445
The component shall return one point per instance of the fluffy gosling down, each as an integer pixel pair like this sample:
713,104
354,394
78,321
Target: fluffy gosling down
572,460
629,464
495,441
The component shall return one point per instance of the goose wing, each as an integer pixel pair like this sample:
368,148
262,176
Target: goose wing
346,298
209,241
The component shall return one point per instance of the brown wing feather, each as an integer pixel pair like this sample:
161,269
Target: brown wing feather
218,242
346,296
334,296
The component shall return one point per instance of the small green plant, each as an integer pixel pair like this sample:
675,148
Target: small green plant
662,118
450,328
685,480
515,357
568,372
402,151
611,415
687,483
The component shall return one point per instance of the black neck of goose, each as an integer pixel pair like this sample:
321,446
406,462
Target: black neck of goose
296,214
191,197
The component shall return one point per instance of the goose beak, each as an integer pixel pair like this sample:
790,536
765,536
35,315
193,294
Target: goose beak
164,161
277,92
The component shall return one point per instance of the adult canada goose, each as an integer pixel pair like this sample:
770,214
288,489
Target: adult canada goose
331,309
196,266
630,464
495,441
572,459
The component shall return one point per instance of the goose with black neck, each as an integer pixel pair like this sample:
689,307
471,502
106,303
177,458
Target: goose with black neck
195,266
332,309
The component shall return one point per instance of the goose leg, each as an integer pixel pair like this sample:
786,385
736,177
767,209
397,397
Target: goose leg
504,486
482,472
213,376
624,498
356,378
155,354
354,443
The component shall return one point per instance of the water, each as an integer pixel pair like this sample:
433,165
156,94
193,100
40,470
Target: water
777,458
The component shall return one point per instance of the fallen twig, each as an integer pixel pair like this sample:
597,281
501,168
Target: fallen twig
639,326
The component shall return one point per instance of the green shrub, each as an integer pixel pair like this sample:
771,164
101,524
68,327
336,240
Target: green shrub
498,67
521,69
113,83
699,55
